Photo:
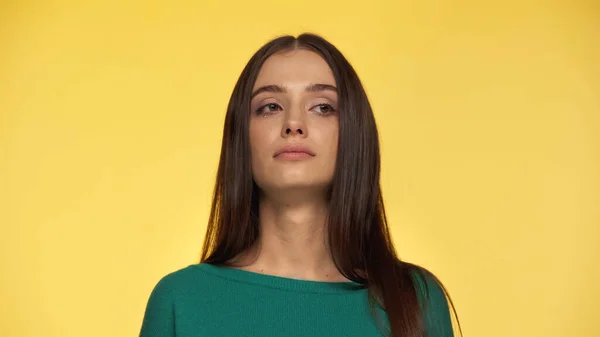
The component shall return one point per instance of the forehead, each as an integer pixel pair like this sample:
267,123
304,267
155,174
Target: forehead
294,67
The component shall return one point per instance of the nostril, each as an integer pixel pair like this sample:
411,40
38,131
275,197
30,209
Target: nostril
289,131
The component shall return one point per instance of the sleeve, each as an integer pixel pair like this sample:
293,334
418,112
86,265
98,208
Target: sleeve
435,308
159,316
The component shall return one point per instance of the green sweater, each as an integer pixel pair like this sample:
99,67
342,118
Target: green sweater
204,300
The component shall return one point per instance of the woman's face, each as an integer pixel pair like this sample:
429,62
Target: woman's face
294,105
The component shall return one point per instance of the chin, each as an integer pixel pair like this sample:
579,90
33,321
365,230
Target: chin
302,184
294,184
281,181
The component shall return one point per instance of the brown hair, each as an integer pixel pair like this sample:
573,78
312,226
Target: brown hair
358,234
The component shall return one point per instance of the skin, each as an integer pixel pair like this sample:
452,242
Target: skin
293,205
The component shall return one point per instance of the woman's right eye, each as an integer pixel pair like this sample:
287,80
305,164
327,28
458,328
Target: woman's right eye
268,108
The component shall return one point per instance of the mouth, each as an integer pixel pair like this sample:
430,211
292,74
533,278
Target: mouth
294,152
293,155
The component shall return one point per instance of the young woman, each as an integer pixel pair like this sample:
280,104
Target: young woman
297,242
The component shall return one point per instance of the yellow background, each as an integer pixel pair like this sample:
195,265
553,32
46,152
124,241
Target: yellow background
111,116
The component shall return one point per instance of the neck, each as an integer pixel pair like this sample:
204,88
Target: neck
293,240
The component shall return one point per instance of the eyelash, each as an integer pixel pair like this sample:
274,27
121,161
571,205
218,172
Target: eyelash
260,111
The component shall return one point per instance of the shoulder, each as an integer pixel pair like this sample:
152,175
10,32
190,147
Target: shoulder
167,288
426,284
159,315
177,286
177,282
433,298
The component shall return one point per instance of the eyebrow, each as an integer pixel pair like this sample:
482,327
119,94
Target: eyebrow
316,87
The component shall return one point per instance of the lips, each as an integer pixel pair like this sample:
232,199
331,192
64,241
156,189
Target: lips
297,150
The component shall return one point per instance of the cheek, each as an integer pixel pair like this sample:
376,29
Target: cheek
333,137
336,135
255,141
334,148
259,143
326,138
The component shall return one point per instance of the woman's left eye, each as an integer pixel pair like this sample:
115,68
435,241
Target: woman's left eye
324,108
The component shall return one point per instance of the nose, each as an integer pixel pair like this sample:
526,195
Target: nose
294,124
293,131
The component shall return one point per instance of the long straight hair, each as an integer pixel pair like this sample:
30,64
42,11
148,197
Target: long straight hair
358,233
